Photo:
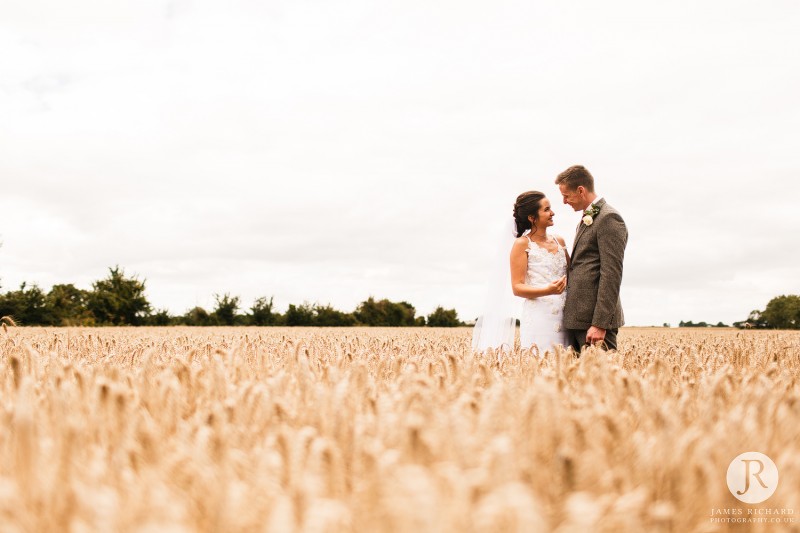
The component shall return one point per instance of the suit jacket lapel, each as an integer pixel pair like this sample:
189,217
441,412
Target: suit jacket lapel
582,226
577,237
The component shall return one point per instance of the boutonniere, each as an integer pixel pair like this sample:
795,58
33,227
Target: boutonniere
589,214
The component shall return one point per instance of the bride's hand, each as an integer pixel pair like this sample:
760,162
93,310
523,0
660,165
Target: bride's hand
558,286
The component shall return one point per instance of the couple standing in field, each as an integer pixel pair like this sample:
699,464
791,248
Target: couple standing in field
570,299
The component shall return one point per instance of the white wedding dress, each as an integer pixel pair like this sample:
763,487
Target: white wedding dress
542,321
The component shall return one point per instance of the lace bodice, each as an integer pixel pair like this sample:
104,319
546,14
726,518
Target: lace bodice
545,267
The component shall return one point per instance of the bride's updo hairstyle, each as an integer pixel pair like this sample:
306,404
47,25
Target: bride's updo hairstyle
527,204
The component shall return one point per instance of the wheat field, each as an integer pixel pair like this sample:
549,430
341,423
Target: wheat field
396,430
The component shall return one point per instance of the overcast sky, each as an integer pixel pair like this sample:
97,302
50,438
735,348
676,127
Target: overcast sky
329,151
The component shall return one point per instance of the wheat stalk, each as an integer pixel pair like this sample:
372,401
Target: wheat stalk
305,429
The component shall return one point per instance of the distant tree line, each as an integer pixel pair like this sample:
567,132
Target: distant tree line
782,312
120,300
690,324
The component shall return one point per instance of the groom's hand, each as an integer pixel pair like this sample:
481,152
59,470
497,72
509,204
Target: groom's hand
595,335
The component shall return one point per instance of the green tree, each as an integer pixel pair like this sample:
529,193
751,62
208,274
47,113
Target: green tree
783,312
196,316
225,311
67,306
261,312
443,318
118,300
300,315
691,324
385,313
159,318
400,314
27,306
370,313
326,315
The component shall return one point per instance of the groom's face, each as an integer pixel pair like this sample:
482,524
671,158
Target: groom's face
575,198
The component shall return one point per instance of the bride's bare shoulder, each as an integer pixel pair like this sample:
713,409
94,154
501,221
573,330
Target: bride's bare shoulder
521,242
560,240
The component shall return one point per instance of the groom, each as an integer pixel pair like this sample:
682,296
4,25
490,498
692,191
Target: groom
593,312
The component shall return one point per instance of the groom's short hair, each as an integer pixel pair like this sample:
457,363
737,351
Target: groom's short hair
576,176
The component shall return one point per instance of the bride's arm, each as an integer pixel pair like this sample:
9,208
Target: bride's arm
519,266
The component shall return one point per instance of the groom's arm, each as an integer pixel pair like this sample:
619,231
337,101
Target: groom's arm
612,236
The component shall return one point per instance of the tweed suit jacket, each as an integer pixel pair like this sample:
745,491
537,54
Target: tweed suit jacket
595,272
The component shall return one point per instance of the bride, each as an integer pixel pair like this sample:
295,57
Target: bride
537,274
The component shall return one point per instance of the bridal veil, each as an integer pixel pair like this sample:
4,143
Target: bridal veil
497,326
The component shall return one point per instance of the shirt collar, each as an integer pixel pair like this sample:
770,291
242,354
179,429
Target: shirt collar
591,205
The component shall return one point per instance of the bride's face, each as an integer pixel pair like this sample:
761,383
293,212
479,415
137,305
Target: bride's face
545,215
